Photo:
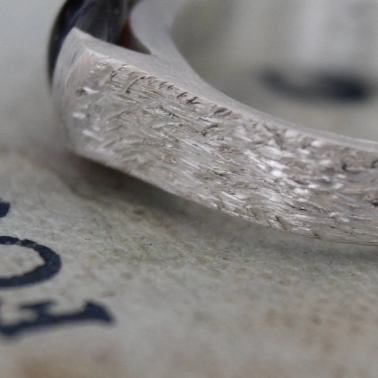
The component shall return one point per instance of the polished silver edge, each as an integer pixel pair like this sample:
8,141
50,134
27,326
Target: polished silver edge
151,116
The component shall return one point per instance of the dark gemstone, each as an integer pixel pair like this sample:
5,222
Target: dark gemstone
103,19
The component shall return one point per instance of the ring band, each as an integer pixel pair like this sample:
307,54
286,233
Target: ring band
139,107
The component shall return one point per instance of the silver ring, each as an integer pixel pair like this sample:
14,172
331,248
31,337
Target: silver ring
141,108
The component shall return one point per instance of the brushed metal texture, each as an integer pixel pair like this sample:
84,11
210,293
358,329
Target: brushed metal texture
152,117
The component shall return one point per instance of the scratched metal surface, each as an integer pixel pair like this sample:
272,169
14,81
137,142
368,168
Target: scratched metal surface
192,292
139,117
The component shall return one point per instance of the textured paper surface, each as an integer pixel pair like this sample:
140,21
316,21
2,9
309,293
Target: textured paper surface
189,292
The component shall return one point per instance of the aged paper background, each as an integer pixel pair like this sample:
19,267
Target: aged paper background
193,293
